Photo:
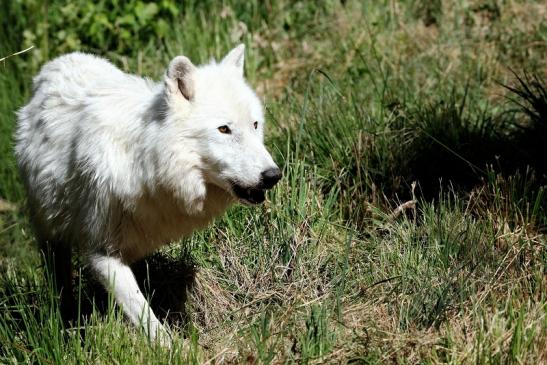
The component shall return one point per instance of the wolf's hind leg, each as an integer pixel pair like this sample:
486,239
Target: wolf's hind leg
58,257
118,279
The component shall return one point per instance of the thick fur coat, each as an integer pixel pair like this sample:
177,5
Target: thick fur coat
119,165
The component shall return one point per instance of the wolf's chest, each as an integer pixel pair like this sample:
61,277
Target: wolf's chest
160,220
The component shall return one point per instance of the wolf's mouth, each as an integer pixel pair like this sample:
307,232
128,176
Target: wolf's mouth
249,195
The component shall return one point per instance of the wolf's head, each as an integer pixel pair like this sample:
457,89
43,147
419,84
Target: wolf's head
221,122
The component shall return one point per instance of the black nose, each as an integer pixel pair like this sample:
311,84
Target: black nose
270,177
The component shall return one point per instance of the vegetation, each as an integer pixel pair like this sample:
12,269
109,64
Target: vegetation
410,226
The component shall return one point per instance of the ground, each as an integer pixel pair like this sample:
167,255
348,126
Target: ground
409,227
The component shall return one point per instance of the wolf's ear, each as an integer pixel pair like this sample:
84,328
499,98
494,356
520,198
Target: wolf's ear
179,77
236,58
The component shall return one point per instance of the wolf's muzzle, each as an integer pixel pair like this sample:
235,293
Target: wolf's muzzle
249,195
270,177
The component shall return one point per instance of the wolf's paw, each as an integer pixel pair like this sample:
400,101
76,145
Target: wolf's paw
162,336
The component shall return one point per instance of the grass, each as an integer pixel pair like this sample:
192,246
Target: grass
409,226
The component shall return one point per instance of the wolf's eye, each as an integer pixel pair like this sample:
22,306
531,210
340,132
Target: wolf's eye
224,129
255,125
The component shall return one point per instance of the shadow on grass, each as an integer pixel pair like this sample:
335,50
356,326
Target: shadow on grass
30,304
453,143
164,280
167,282
446,146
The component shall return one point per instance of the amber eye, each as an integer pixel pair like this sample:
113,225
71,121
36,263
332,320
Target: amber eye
255,124
224,129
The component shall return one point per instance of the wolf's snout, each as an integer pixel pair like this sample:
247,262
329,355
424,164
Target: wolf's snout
270,177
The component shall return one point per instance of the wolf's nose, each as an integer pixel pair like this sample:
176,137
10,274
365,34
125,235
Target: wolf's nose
270,177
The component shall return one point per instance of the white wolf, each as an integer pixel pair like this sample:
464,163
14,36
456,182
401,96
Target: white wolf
118,165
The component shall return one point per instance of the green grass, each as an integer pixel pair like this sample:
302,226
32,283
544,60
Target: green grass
409,227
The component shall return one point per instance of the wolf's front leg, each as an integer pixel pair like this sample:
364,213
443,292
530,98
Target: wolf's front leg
118,279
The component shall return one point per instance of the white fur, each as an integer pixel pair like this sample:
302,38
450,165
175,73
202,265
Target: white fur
119,165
